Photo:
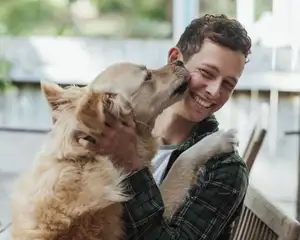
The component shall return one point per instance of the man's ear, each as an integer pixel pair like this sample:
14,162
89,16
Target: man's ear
174,54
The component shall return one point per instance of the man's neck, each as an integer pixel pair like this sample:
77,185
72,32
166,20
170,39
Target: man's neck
172,128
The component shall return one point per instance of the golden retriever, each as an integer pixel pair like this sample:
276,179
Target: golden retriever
73,193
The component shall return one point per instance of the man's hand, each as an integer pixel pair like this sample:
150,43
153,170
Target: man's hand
118,140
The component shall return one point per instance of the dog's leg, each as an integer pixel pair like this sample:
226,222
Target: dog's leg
182,173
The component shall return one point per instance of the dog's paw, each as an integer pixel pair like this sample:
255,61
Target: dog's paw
210,146
228,140
222,141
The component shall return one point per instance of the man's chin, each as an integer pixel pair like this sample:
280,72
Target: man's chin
194,116
197,114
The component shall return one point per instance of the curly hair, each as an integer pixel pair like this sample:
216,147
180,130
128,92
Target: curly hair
219,29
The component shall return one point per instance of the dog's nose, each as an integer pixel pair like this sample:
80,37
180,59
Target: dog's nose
178,63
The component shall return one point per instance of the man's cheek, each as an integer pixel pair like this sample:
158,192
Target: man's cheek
195,77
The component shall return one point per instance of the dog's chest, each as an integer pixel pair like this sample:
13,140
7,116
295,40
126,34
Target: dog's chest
101,225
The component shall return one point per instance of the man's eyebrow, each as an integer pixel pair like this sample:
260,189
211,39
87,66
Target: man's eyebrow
212,67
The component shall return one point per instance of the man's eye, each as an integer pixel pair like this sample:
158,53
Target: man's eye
148,76
206,74
228,85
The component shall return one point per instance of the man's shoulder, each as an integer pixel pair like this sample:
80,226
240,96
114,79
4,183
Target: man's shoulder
230,161
231,158
231,169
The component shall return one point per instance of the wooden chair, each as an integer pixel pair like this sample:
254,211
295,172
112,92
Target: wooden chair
260,219
257,136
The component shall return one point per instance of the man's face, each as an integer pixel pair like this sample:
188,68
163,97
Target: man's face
215,71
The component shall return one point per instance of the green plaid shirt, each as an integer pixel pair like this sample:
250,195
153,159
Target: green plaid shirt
210,207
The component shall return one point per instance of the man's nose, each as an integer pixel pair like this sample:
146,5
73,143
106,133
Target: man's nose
213,88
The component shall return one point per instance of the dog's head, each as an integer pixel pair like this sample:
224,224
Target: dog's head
146,91
121,89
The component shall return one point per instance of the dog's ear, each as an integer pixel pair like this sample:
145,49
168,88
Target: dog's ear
91,108
53,94
117,105
90,111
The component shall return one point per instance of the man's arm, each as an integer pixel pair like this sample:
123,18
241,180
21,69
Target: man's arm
203,215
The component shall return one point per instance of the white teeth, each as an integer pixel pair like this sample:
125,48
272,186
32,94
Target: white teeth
201,102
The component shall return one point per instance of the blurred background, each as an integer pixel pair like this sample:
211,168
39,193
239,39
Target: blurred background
70,41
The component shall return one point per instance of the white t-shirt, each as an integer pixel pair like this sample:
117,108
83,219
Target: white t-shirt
160,161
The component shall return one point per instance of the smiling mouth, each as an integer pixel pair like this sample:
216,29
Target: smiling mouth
200,101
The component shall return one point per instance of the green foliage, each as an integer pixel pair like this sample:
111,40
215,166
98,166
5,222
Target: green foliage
21,16
107,6
227,7
4,74
53,17
152,9
262,6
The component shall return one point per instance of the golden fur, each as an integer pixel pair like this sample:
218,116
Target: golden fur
72,193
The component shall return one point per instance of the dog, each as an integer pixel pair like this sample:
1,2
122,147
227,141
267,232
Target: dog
73,193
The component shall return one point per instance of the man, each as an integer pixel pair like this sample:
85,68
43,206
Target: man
214,49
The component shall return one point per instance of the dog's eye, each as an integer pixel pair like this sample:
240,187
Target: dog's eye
148,76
